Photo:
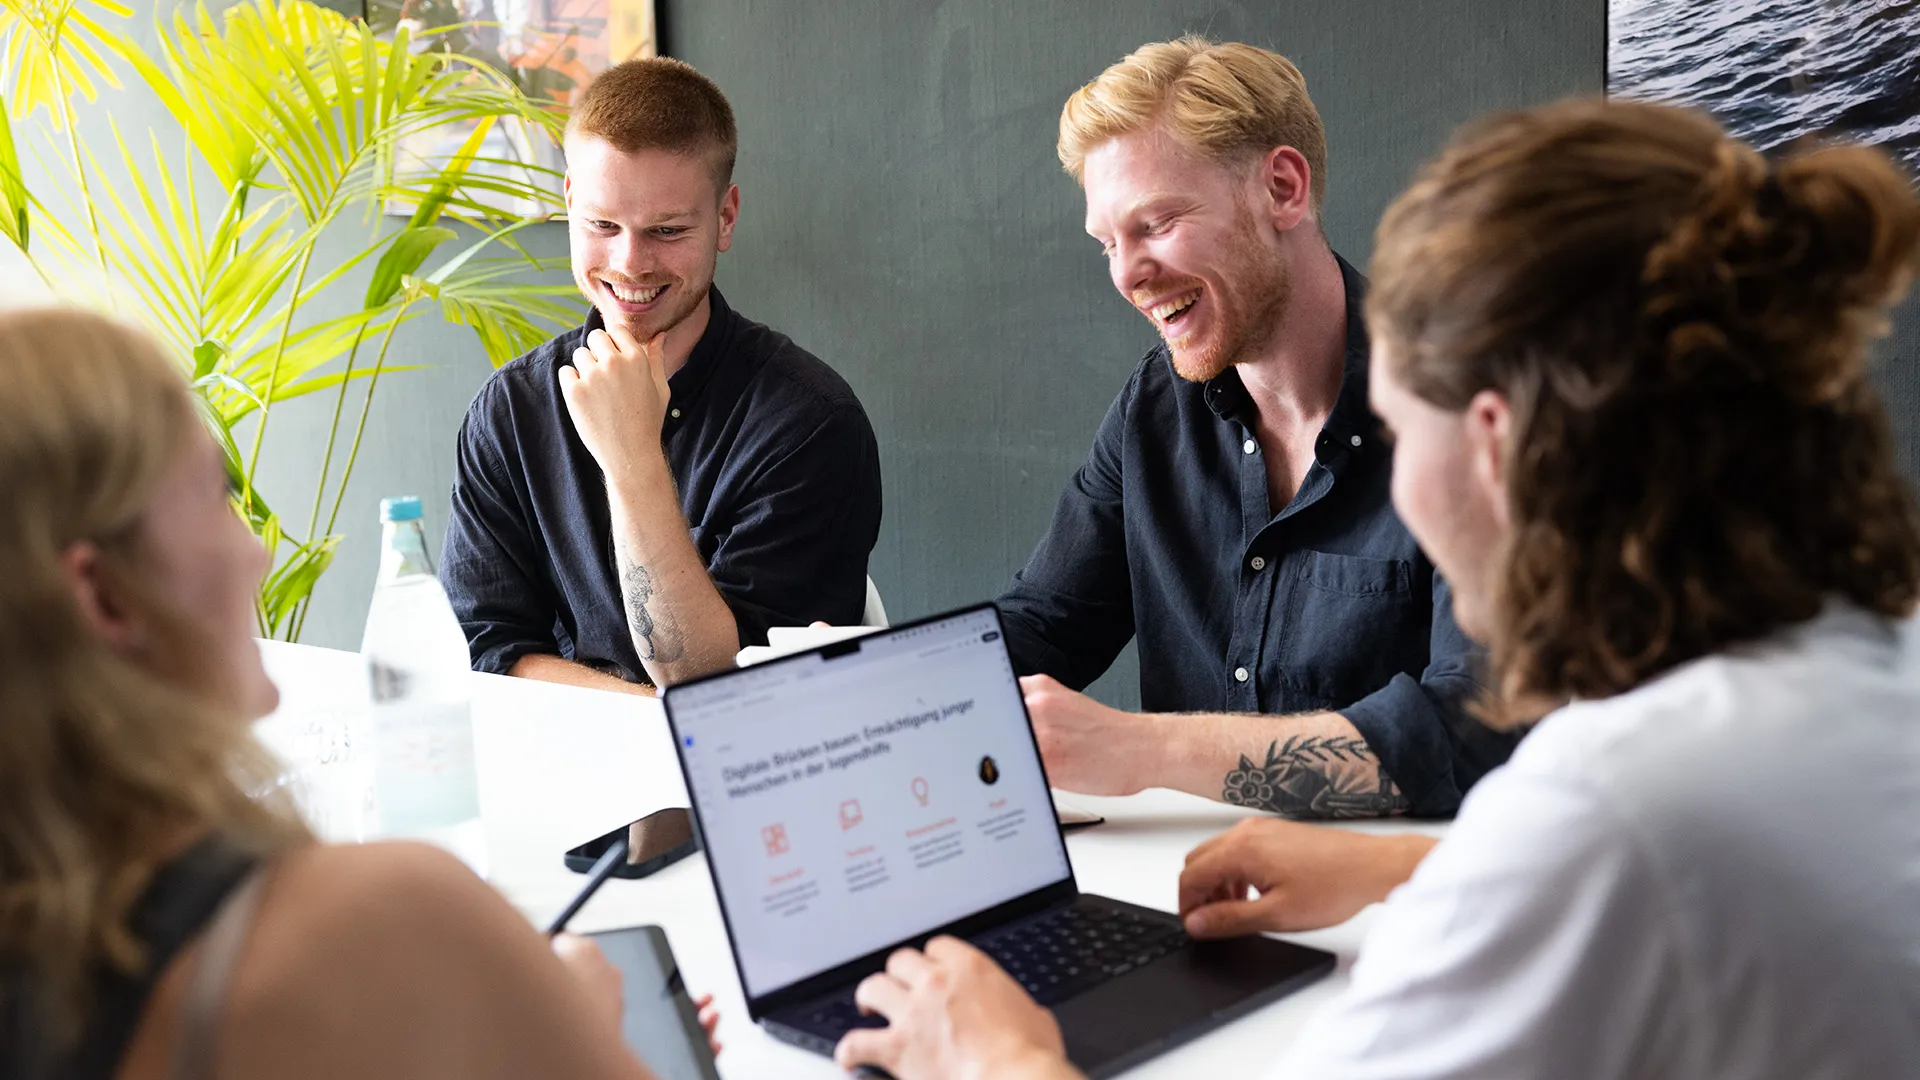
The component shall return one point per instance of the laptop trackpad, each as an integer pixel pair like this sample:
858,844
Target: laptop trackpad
1179,997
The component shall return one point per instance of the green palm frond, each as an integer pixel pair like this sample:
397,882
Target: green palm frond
195,284
511,317
291,582
15,219
53,48
299,115
226,145
326,101
275,375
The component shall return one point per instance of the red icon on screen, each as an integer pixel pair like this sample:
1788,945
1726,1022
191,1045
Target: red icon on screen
775,837
850,814
920,789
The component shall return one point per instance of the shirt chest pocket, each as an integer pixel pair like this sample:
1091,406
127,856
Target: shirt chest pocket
1351,624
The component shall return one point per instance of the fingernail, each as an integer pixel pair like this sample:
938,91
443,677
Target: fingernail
1196,924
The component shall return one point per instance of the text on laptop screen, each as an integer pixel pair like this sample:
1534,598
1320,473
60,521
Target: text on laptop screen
850,803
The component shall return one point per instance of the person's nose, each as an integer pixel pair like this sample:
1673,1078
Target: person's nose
1131,266
630,256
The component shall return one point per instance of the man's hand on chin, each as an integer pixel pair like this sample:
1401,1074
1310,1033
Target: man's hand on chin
1091,748
616,393
953,1014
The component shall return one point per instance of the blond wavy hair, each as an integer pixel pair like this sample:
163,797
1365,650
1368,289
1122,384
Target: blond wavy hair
103,757
1227,101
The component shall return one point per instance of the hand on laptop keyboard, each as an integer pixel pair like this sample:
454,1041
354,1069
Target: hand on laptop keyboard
1064,952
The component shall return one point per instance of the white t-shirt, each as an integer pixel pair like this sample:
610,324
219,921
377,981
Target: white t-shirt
1715,875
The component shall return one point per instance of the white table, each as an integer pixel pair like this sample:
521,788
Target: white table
560,765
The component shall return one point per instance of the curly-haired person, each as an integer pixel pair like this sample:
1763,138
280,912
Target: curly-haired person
1624,358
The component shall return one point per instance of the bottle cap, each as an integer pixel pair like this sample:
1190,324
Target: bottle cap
400,508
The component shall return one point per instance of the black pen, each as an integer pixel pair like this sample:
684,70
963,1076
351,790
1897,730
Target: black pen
602,870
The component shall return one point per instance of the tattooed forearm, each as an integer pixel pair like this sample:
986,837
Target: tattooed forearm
1316,776
650,616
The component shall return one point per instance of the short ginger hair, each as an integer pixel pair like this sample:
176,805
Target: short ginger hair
1226,101
659,103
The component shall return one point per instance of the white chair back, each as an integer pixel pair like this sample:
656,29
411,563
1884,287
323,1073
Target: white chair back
876,613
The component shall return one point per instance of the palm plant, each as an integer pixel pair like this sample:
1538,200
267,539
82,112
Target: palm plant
300,117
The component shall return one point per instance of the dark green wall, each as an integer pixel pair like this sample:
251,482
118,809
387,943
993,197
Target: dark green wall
904,217
903,214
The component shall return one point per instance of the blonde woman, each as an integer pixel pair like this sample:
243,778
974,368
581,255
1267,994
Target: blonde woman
154,920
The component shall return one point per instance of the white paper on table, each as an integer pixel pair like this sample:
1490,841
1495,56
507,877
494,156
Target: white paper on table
786,640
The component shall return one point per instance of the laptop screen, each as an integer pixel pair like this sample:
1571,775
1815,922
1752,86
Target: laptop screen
853,802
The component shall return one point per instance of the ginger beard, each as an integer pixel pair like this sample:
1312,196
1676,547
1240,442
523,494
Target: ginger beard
1238,306
645,231
652,306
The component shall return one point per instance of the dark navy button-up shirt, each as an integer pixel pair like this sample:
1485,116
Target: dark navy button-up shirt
1167,534
776,467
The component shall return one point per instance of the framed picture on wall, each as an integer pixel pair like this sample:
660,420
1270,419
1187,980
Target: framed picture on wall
1773,71
549,48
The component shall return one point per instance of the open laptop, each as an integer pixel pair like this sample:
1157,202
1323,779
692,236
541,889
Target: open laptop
871,793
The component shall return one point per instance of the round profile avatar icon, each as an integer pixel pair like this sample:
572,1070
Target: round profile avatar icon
989,771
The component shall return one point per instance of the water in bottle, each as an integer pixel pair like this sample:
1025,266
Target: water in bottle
424,782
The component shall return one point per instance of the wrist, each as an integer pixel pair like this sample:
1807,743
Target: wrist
1182,754
1395,859
1023,1061
1169,751
640,477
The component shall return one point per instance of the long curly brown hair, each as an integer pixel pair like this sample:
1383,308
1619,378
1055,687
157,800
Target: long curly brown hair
1681,331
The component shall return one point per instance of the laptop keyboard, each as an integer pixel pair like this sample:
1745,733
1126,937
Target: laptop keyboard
1066,951
840,1015
1054,956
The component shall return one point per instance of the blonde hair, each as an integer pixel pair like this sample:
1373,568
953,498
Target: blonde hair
1227,101
102,758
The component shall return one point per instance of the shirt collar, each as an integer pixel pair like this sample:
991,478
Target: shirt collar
1352,417
684,386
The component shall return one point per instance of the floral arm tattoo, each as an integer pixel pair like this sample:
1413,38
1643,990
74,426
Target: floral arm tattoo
1316,776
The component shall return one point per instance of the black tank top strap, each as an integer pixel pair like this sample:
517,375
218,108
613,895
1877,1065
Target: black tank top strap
176,907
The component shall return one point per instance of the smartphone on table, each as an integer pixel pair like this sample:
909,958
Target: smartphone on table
659,1024
655,842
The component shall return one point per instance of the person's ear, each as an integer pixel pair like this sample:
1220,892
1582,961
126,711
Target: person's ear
93,593
729,214
1489,431
1287,181
566,191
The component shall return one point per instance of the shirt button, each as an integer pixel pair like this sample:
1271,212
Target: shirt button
1257,563
1248,447
676,415
1240,674
1356,440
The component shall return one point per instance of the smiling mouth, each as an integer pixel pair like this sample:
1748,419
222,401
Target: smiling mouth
631,295
1168,313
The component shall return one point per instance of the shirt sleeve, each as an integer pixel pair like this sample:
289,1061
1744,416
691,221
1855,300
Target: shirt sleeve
489,562
1537,940
1421,729
1069,611
797,547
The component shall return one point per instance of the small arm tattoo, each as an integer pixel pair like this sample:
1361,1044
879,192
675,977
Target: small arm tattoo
650,616
1316,776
